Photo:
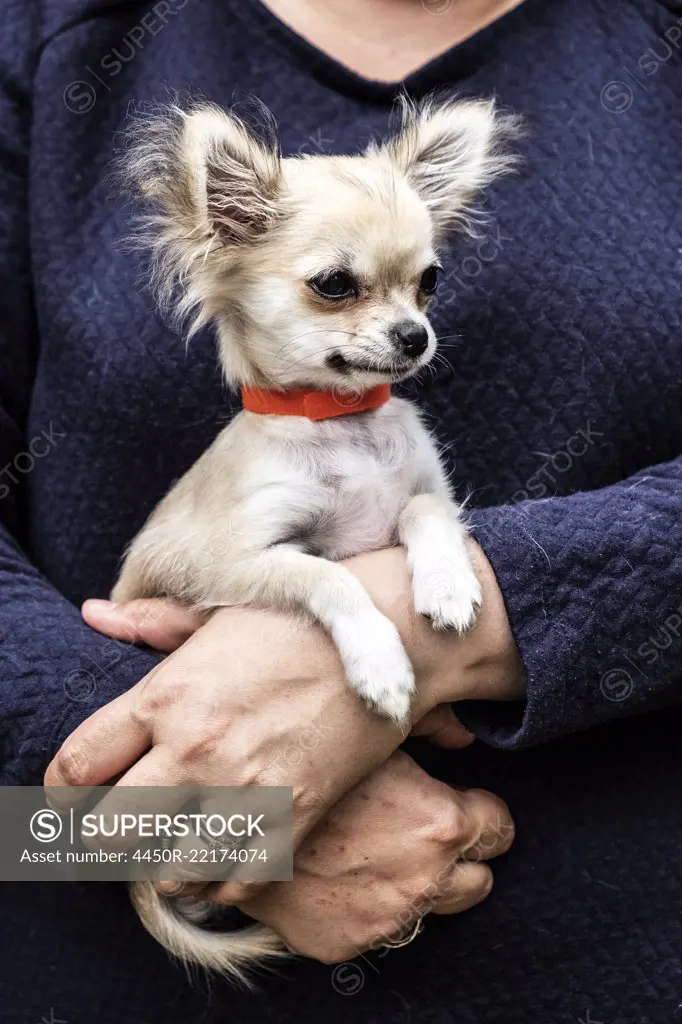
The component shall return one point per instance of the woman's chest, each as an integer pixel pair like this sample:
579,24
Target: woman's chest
561,320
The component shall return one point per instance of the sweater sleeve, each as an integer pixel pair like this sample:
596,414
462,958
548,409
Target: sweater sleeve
54,670
593,588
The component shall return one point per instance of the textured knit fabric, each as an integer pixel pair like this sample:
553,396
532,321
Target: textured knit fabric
561,326
560,412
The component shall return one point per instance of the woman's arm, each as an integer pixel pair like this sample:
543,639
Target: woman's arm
593,588
54,670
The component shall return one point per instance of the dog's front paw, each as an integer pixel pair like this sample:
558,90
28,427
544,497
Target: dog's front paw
448,594
377,666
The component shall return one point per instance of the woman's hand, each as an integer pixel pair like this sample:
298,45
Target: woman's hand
165,625
251,690
397,847
484,664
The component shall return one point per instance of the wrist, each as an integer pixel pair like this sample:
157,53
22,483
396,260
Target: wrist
481,664
491,664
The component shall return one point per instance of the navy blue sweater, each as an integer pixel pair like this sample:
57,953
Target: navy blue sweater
561,408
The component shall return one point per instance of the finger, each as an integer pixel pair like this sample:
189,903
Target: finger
468,885
104,745
443,728
232,894
149,788
493,825
157,622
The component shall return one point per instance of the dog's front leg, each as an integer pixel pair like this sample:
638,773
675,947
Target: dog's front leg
444,585
374,659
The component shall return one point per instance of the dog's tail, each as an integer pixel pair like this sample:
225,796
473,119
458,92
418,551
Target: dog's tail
176,924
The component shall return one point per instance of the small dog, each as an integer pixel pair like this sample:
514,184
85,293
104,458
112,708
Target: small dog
316,273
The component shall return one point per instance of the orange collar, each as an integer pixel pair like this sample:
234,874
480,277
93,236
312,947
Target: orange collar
315,405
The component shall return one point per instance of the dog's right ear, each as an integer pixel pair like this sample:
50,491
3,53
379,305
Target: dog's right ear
212,185
207,173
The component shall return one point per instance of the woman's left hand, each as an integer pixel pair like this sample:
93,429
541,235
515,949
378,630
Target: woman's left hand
399,846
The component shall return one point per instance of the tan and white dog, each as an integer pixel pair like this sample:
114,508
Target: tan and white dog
316,273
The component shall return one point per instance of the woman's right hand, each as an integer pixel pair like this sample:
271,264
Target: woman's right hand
397,847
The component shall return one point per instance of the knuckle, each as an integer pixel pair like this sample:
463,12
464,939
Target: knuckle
497,831
507,835
201,747
159,695
141,612
229,894
451,824
423,888
469,885
478,890
487,885
73,763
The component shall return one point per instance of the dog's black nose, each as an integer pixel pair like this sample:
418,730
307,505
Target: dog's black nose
410,337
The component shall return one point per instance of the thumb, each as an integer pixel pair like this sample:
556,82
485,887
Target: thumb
157,622
442,727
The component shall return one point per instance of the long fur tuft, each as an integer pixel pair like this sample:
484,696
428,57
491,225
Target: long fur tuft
450,151
210,182
176,924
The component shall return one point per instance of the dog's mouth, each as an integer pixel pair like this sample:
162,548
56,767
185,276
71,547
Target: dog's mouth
397,369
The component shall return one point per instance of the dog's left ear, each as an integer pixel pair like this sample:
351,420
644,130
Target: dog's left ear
450,151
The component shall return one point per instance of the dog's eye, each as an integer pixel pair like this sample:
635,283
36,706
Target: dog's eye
334,285
429,280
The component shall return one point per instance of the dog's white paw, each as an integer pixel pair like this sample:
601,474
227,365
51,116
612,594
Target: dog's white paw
376,664
449,594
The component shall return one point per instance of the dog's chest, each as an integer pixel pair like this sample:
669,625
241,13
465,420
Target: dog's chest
366,479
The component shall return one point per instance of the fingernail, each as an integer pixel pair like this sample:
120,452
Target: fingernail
169,888
96,604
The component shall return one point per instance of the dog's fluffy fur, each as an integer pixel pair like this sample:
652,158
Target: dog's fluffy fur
239,237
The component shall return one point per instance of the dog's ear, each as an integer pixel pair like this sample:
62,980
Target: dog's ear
212,185
238,173
206,170
450,151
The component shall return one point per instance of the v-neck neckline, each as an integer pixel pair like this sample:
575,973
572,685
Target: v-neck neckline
459,60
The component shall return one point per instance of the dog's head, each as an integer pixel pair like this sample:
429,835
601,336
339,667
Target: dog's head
317,271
